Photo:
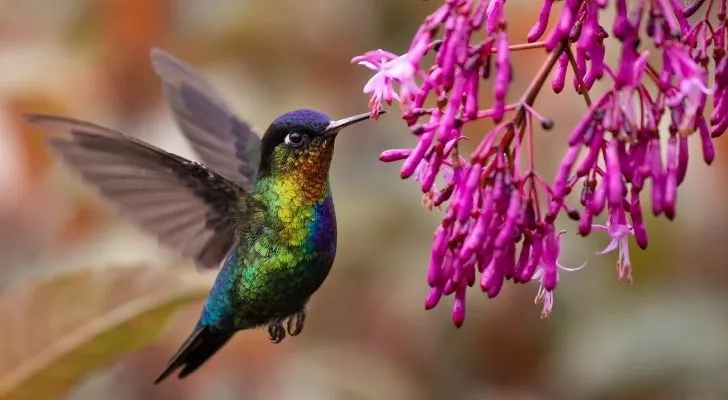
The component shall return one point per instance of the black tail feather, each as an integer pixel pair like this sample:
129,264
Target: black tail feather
202,343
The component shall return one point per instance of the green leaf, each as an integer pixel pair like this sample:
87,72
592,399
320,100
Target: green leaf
57,329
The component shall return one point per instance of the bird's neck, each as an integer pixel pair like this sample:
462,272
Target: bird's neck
291,194
292,190
302,211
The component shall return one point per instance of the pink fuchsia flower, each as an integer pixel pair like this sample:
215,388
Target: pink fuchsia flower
619,231
500,214
692,90
547,273
391,69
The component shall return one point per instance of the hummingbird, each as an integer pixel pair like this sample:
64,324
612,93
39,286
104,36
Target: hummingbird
260,207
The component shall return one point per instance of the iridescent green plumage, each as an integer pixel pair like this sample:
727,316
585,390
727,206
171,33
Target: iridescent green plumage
260,206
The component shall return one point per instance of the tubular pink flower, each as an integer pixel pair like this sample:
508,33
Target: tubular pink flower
390,69
619,232
547,273
631,142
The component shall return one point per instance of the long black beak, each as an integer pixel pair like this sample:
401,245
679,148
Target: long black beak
335,126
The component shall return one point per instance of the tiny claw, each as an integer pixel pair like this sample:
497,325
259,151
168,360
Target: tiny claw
276,331
300,319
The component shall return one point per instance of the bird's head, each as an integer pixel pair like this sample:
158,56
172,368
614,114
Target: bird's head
300,144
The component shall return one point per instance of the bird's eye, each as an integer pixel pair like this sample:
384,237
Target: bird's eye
295,139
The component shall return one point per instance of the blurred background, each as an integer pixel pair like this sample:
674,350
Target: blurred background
92,308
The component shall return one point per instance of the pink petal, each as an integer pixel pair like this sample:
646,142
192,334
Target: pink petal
610,247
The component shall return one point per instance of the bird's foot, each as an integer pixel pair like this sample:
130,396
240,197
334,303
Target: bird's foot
276,331
295,322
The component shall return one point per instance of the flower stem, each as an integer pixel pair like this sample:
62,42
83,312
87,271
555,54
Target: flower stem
707,10
691,9
652,73
526,46
582,87
529,97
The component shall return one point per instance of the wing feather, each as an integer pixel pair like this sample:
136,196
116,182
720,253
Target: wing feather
186,205
224,142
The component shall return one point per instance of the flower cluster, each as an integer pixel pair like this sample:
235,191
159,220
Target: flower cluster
499,222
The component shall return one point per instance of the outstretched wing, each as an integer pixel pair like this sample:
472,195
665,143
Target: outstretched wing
186,205
225,143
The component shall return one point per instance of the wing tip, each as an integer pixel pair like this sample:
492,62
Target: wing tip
40,119
168,67
204,269
53,123
64,125
159,57
154,51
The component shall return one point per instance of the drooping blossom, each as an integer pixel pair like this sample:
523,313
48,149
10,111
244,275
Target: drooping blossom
500,214
619,231
547,272
390,69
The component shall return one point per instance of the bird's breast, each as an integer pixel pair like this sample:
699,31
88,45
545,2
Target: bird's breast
307,240
285,263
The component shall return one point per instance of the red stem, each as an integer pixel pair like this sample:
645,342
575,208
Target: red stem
582,86
526,46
